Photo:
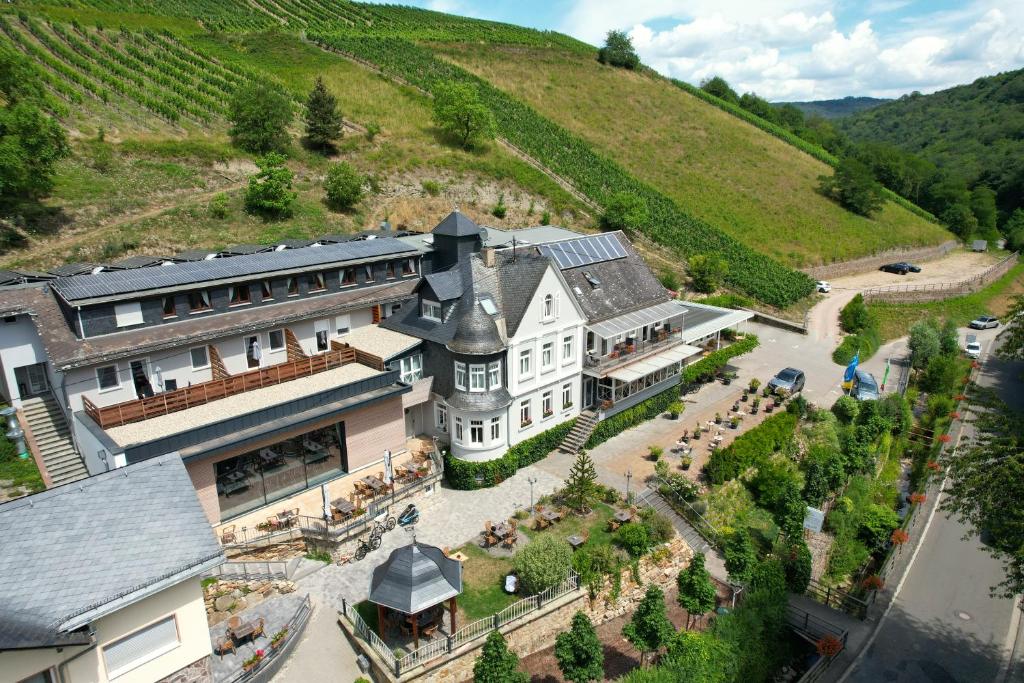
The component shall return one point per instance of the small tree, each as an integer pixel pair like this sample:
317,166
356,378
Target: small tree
618,51
650,627
343,185
925,343
798,567
854,316
496,663
323,120
960,220
696,592
270,190
461,114
260,114
543,563
853,186
624,211
706,272
579,651
581,486
634,538
720,88
740,556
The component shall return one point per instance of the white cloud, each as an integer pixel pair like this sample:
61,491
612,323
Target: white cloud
797,49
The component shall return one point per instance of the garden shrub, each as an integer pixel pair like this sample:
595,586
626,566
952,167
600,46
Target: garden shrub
798,567
866,342
752,448
846,408
824,472
740,555
641,412
543,563
634,538
659,528
706,367
462,474
941,375
854,316
876,525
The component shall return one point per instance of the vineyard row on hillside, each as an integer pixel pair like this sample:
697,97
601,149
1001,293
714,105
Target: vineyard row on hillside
594,175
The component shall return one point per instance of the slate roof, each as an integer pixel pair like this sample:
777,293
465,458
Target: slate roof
627,284
414,578
456,224
447,284
65,350
78,552
477,401
475,331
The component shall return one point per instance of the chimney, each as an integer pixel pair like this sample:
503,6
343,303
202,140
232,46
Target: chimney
487,254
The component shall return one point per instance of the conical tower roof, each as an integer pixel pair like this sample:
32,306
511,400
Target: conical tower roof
476,332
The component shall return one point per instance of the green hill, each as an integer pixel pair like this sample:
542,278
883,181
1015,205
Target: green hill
975,131
142,87
833,109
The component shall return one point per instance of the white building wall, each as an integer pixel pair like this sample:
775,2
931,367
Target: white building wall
19,346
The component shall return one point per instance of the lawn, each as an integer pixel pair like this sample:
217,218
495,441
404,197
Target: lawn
751,185
895,320
15,472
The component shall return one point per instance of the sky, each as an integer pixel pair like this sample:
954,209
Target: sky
788,50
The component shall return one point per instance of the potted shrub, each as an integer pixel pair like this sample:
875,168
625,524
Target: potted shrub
718,418
655,452
685,462
277,640
778,400
769,407
766,391
736,422
696,432
674,409
726,378
746,395
755,405
735,406
754,384
254,661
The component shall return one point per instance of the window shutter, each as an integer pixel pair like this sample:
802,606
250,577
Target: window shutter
141,646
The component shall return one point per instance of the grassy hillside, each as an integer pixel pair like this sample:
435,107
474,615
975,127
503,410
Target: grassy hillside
757,188
973,131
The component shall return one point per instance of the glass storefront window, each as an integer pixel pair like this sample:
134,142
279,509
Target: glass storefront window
269,473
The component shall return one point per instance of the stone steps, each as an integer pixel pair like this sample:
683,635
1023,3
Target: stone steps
52,438
581,431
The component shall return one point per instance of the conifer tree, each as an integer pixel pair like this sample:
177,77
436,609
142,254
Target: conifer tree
696,592
496,663
323,120
579,651
581,486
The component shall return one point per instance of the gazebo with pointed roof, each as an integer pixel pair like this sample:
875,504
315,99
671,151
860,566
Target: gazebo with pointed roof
413,579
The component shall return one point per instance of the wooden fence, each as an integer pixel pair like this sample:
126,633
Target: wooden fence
877,260
942,290
200,394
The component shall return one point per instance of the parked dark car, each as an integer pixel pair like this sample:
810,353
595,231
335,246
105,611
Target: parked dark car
789,380
984,322
865,387
900,268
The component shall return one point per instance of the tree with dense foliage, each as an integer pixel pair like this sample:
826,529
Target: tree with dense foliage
854,316
696,592
624,211
960,220
579,651
720,88
698,657
649,629
31,141
343,186
706,271
846,408
581,486
777,488
635,539
925,343
270,189
323,120
618,51
543,563
496,663
798,564
853,186
986,486
260,113
461,114
1013,334
983,206
740,556
1014,231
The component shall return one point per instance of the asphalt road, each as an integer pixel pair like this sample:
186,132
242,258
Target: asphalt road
943,627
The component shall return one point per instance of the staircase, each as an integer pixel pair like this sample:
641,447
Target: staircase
648,497
50,435
579,433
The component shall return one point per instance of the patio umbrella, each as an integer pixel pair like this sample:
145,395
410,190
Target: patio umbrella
388,476
327,501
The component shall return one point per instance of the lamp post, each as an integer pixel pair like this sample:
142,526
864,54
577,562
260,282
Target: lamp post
532,481
629,475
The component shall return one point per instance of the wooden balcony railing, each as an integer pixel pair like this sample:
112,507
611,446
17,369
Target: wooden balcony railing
199,394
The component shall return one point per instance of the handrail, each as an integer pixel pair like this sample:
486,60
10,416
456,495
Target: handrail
642,349
167,402
705,528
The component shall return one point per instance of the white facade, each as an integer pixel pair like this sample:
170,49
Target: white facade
21,348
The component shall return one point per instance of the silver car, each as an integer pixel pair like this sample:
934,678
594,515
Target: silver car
865,387
789,381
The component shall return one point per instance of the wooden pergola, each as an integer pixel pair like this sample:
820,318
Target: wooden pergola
414,579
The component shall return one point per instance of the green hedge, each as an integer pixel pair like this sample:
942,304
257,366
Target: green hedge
641,412
462,474
792,138
867,340
752,448
707,367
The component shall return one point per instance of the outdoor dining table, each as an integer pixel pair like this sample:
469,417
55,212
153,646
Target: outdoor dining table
287,517
343,506
246,630
551,515
374,483
502,530
576,541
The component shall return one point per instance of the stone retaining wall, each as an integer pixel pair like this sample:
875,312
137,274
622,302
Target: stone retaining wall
196,672
880,259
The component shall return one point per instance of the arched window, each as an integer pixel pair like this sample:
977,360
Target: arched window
549,306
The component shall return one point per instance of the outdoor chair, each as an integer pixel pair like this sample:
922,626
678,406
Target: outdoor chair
430,629
233,623
258,633
227,534
224,645
274,523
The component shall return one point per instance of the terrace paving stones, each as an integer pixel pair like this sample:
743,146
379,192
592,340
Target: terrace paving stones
276,612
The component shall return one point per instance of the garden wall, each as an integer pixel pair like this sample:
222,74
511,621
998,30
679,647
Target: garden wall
880,259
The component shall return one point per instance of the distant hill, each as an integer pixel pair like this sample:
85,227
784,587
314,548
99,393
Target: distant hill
974,131
834,109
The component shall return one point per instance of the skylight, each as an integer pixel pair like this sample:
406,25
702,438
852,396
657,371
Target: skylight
488,304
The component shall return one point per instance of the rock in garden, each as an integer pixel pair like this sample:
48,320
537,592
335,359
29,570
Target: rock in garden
222,603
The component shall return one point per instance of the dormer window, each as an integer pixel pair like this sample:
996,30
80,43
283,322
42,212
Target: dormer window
293,286
348,277
238,295
317,283
431,310
548,310
390,270
368,272
169,308
408,267
266,291
198,301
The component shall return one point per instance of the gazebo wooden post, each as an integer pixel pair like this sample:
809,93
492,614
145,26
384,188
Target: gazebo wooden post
451,614
380,621
416,630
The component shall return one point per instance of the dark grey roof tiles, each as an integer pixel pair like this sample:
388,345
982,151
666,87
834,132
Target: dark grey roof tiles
77,552
414,578
518,279
475,331
494,399
456,224
447,284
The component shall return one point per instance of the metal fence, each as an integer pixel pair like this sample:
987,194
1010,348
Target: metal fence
838,598
942,290
473,631
813,629
876,260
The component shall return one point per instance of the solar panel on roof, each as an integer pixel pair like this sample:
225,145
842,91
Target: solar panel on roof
179,274
583,251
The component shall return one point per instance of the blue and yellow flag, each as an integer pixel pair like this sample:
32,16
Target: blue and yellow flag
851,370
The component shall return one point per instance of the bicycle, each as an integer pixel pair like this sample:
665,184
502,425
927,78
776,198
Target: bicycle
380,527
365,547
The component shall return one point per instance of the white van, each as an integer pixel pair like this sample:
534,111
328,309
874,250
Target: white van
972,348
